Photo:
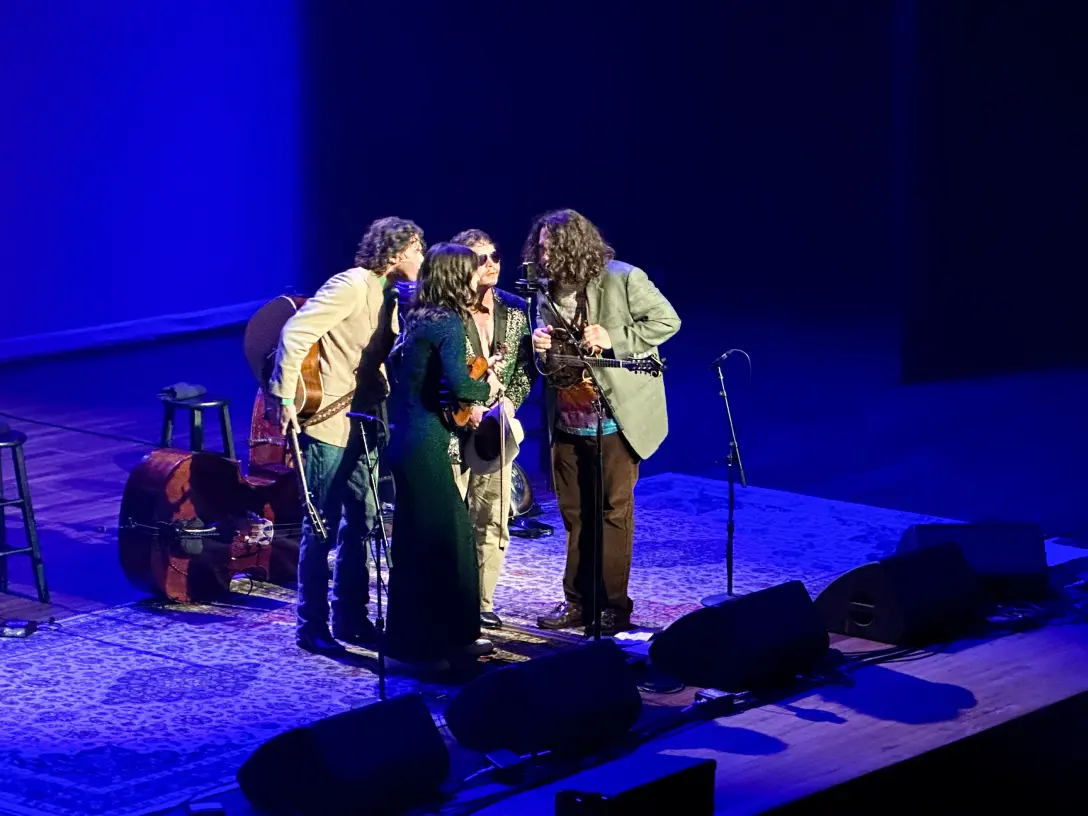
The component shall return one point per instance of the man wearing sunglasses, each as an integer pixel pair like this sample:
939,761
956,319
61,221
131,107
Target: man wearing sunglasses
498,318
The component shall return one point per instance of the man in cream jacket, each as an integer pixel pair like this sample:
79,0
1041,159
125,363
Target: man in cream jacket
353,323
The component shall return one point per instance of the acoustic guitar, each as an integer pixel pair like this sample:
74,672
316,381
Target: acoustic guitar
262,336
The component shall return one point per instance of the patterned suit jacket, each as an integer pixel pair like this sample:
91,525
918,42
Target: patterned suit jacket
517,370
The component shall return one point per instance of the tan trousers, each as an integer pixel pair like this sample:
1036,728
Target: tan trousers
488,500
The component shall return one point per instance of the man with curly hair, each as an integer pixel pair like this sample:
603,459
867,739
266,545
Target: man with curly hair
498,318
616,312
352,320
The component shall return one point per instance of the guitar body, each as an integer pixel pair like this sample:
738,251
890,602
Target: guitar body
261,339
189,522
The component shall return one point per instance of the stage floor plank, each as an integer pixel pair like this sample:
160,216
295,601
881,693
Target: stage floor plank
781,753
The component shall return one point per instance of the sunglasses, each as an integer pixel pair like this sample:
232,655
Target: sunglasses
494,256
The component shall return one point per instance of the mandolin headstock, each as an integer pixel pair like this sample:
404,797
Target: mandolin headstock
652,365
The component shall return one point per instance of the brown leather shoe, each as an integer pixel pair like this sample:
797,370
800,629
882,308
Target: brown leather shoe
612,621
564,616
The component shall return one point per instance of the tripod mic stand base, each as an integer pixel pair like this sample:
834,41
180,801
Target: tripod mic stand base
714,600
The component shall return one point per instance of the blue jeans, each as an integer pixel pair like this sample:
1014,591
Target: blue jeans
339,481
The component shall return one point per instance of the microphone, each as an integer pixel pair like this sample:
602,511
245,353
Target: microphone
721,358
368,418
362,416
531,282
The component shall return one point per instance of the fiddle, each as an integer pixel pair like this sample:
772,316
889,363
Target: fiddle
459,415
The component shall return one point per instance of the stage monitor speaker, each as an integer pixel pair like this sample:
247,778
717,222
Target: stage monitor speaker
1010,559
383,758
571,703
752,642
908,599
642,785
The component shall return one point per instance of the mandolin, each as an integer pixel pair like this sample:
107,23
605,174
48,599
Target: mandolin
458,417
565,367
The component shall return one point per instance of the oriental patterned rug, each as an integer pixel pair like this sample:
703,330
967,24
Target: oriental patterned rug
138,708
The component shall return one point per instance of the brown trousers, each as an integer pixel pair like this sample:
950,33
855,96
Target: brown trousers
574,462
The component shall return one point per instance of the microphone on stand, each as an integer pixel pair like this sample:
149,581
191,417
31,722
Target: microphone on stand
721,358
532,281
372,419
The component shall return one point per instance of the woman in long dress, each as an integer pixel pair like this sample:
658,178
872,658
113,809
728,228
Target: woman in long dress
434,593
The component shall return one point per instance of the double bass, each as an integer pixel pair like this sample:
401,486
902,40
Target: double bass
192,521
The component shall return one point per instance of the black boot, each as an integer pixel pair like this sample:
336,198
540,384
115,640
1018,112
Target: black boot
318,643
364,635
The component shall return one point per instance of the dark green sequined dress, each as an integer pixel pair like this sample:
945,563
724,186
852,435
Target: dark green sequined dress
434,592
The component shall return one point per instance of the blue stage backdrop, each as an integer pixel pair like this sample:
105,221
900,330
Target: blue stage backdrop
149,163
739,151
995,186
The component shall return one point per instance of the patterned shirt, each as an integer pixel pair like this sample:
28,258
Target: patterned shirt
574,410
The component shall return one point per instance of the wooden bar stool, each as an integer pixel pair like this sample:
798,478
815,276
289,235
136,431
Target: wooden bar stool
196,407
13,440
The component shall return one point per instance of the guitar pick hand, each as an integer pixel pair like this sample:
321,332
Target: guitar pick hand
596,339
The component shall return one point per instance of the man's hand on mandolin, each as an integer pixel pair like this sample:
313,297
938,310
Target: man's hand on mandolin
542,339
596,339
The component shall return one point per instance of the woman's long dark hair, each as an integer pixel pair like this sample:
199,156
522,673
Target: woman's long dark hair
576,251
444,281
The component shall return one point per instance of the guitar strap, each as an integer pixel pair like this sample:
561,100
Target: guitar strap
329,411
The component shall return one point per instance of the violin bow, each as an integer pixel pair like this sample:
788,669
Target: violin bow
316,522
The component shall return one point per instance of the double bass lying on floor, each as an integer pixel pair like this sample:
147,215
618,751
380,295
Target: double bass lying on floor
191,521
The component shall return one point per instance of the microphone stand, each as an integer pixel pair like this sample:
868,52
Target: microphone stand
378,542
734,456
528,286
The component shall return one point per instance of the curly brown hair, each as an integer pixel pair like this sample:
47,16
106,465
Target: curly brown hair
576,251
444,281
384,240
471,238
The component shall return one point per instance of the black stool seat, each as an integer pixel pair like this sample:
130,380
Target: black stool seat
196,407
13,440
201,402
